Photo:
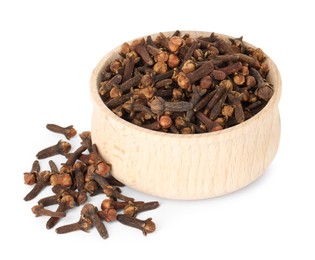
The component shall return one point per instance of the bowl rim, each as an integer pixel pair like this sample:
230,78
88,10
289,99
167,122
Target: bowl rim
97,100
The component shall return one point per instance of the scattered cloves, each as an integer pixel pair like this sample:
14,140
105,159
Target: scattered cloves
75,179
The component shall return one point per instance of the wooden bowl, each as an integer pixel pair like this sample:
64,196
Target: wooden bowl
186,166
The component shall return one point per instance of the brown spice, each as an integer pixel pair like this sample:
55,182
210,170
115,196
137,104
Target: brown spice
84,224
60,148
42,181
90,212
146,226
39,210
30,177
68,131
77,178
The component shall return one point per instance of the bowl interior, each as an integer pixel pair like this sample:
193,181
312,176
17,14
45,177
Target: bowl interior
273,78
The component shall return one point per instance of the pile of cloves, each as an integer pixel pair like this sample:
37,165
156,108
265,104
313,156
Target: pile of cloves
81,175
186,85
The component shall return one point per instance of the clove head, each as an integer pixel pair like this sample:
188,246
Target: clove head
86,139
81,198
148,226
29,178
183,81
175,43
265,92
108,214
89,211
63,147
157,105
67,200
85,224
63,179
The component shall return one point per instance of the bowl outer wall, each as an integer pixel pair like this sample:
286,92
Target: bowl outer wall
186,166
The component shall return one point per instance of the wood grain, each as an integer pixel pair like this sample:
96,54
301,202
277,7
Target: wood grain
186,166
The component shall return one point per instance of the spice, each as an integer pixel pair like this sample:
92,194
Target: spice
78,170
90,212
100,166
30,177
60,148
86,140
53,220
132,209
109,190
170,73
68,131
39,210
264,90
165,121
48,201
159,106
84,224
146,226
86,172
108,214
42,180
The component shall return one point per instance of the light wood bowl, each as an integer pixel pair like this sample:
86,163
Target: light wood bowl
186,166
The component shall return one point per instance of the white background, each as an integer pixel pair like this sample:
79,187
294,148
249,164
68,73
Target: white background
48,50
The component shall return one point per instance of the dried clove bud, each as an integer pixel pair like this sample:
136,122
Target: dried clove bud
30,177
146,226
68,131
65,202
60,148
42,181
79,170
175,43
165,121
108,214
48,201
90,212
83,224
39,210
63,179
264,90
100,166
159,105
132,209
86,140
109,190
